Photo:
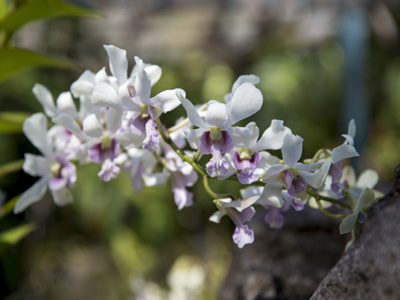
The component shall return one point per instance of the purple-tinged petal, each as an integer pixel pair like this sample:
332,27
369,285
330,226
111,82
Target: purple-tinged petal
206,144
299,184
274,217
152,139
287,178
138,125
136,178
225,144
243,235
217,166
98,155
182,197
247,176
109,170
57,183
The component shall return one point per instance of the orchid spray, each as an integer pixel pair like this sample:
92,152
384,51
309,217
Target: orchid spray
118,127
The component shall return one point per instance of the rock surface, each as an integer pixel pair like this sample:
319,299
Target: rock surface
291,263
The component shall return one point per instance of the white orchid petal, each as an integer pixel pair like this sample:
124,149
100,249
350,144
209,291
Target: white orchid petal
191,111
118,62
273,171
84,85
35,165
193,136
45,98
142,83
216,217
92,127
273,137
246,101
292,149
62,197
242,79
216,114
245,137
31,195
154,73
106,96
114,119
155,179
35,129
342,152
271,195
127,102
65,104
368,179
352,128
316,179
166,100
70,124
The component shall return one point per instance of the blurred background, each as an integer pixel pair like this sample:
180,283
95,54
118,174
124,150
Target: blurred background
321,63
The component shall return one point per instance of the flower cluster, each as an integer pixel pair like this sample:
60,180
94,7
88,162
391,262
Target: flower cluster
118,127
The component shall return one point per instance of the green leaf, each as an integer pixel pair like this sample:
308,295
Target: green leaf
15,59
11,122
3,8
14,235
366,199
8,207
41,9
11,167
348,223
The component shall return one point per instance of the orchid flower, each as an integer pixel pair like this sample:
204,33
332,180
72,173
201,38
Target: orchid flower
247,154
289,180
240,212
133,94
214,135
57,174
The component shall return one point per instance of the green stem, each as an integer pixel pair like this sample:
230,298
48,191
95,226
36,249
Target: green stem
327,199
322,209
165,136
212,193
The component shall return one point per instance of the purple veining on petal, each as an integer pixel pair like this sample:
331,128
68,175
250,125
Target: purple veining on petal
225,144
287,177
239,164
98,155
206,144
300,185
151,142
254,160
109,170
217,166
298,204
243,235
247,176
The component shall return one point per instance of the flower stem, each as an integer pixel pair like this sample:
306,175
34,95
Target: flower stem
212,193
165,136
322,209
327,199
